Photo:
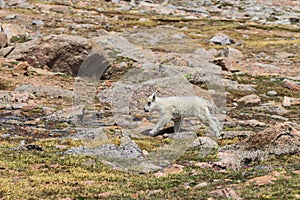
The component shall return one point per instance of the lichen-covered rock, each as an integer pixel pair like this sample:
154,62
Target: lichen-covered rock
281,139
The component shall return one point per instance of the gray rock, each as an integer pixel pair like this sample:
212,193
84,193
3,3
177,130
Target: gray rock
3,40
2,4
266,66
271,107
222,40
234,85
43,91
127,150
18,106
234,134
271,93
206,54
206,146
37,22
19,4
183,135
90,134
12,97
284,55
178,36
6,51
73,114
205,142
147,167
81,150
11,16
196,10
231,53
282,22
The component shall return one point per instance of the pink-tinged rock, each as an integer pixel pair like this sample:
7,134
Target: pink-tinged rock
291,85
250,99
105,194
201,185
226,64
173,169
290,101
225,192
252,122
262,180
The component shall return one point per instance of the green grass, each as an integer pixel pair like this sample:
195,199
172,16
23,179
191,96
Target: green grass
51,174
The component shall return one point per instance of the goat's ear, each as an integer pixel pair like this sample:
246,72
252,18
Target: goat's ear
153,97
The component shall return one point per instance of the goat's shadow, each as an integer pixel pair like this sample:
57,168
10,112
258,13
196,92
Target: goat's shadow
167,130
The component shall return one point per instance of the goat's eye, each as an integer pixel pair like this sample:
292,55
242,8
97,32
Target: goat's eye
149,103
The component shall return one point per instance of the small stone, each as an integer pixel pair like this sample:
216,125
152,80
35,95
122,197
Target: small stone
226,64
203,165
250,99
284,55
272,93
31,123
278,117
178,36
21,66
231,53
262,180
225,192
3,40
143,19
183,135
15,73
205,142
152,192
253,123
37,22
105,194
291,85
222,40
29,107
289,101
40,71
11,16
283,22
18,106
173,169
2,4
201,185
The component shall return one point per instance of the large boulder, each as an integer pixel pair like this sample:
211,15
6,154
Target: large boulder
280,139
61,53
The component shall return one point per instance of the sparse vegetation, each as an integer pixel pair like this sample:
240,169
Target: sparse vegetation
54,174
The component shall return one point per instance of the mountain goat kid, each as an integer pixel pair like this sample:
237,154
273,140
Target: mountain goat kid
176,108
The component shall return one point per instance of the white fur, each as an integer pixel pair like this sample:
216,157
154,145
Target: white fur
177,108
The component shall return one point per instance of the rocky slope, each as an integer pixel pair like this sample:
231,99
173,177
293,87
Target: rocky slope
75,76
